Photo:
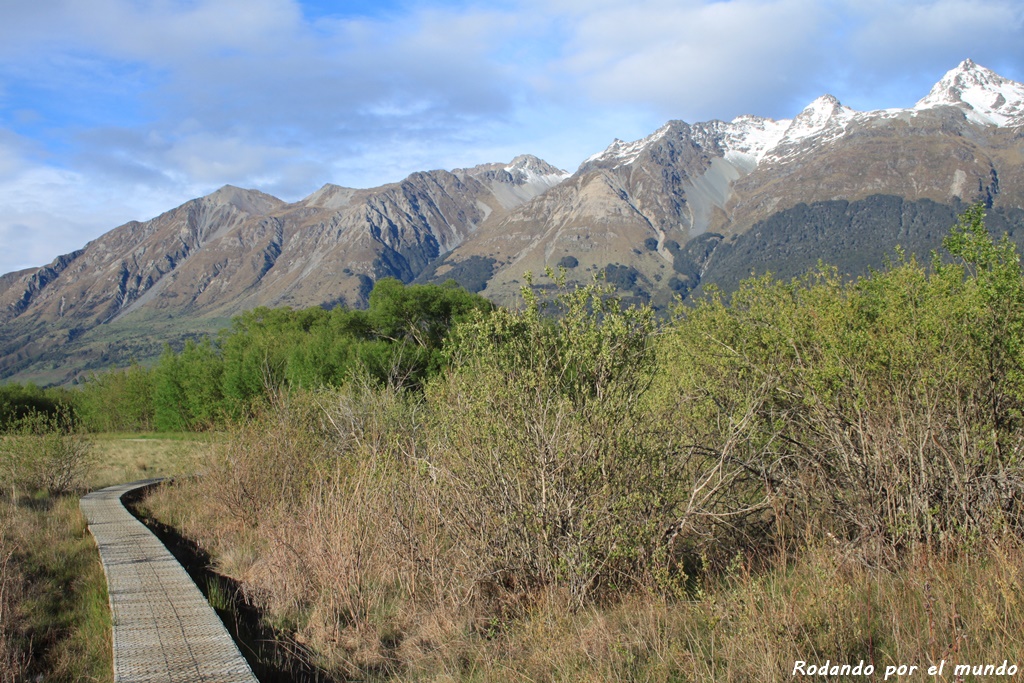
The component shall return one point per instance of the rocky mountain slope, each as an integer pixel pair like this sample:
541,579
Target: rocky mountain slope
657,209
236,249
661,216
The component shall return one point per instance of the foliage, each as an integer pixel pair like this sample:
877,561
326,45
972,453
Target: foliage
399,336
472,273
887,409
422,314
552,475
19,401
45,453
398,339
117,400
187,388
621,277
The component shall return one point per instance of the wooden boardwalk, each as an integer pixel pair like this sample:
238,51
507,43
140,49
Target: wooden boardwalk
164,630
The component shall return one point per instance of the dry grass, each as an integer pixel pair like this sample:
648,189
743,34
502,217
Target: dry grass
54,618
332,528
55,622
755,626
123,458
14,657
752,624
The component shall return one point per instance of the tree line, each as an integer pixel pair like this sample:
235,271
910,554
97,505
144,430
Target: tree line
398,338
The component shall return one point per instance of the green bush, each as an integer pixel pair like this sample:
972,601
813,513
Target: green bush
885,411
552,473
18,401
120,400
45,453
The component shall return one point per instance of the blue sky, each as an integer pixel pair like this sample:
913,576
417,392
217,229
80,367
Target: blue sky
116,110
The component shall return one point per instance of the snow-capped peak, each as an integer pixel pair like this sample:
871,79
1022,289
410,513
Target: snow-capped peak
748,138
824,120
824,112
986,96
624,153
527,166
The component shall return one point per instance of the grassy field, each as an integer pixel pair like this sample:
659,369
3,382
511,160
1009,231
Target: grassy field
130,457
54,619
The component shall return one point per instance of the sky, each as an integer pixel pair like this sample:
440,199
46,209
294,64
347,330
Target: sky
118,110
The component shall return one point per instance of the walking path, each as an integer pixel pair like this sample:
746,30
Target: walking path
164,630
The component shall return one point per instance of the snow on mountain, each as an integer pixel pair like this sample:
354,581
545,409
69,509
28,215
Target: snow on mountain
985,96
823,114
627,152
748,138
517,182
823,120
527,168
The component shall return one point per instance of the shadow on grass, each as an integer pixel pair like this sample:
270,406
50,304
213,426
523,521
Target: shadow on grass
40,502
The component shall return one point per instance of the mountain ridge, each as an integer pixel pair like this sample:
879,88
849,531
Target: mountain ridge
651,213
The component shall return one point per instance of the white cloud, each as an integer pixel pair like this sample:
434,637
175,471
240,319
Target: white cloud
48,212
128,108
695,59
161,32
894,43
920,31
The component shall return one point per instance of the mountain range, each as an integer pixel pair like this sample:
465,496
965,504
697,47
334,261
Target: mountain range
661,217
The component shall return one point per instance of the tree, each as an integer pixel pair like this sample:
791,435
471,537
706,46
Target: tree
552,474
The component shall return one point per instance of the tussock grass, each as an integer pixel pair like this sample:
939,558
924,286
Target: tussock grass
754,625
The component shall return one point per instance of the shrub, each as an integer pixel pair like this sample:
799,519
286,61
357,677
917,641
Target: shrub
120,400
885,412
317,505
18,401
621,277
551,472
45,453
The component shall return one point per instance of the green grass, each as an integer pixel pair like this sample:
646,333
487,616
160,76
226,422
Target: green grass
217,594
61,623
